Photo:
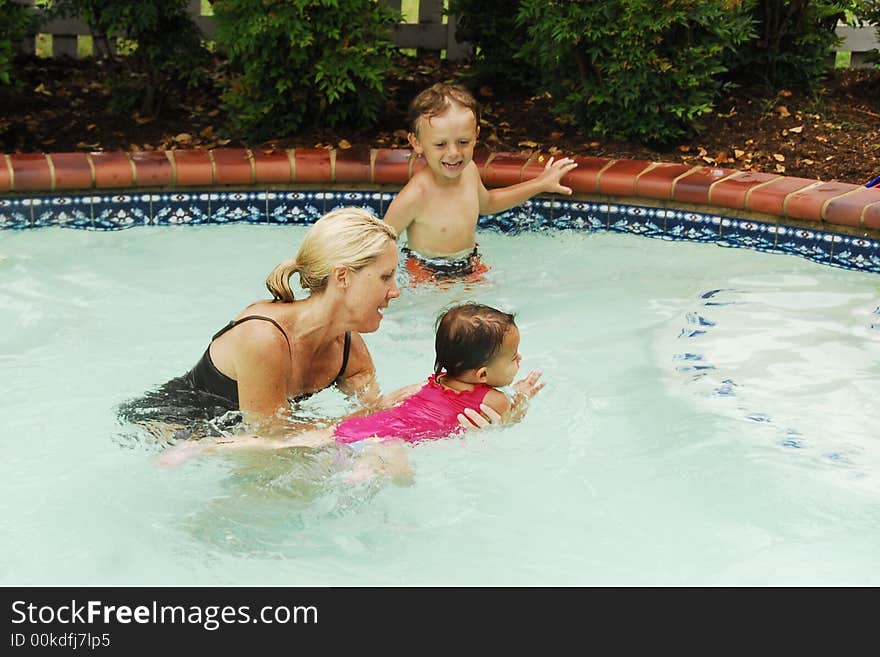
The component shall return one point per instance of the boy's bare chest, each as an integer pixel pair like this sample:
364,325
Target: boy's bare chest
443,212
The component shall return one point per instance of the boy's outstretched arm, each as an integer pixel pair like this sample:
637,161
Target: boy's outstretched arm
504,198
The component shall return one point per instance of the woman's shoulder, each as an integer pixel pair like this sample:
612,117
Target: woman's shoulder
260,326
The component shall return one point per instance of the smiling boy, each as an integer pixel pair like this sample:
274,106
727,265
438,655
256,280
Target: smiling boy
438,208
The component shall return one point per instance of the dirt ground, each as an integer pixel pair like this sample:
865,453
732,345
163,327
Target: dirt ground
63,106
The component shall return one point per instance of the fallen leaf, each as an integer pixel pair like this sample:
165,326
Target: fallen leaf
684,148
808,162
702,152
223,142
797,129
780,168
738,154
785,93
721,157
595,144
708,160
183,138
344,144
782,110
528,144
779,157
41,89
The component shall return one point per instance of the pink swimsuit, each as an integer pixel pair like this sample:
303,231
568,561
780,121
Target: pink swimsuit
430,413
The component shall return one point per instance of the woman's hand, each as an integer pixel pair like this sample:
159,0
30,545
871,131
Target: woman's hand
474,419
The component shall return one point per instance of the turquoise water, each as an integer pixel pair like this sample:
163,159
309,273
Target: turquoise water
708,419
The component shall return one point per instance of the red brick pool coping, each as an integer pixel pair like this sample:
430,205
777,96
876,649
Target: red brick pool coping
832,206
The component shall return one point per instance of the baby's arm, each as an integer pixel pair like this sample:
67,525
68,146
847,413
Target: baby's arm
514,410
504,198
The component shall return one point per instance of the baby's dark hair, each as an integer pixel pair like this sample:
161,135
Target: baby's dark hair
435,99
468,337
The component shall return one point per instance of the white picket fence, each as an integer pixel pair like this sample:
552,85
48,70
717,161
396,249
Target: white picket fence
429,33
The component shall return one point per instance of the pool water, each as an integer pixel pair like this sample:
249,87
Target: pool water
709,419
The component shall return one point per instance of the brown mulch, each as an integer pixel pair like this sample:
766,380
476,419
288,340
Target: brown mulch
63,106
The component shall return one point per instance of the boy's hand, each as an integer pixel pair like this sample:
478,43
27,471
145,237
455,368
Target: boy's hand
553,172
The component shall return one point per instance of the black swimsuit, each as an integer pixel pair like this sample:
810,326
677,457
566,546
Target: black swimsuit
200,401
206,378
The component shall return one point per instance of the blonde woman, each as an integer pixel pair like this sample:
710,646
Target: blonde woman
286,348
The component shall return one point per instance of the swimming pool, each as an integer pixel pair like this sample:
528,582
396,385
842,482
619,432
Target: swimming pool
709,414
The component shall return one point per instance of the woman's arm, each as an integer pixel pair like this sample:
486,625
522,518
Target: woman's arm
359,381
262,369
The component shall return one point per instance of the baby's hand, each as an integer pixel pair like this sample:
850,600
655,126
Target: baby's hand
552,174
529,386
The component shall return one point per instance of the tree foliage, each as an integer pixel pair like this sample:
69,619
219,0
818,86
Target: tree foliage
166,55
295,62
16,23
631,68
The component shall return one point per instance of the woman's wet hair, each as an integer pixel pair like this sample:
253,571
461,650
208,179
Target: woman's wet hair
349,237
436,99
468,336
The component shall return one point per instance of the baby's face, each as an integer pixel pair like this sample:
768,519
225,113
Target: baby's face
447,141
505,364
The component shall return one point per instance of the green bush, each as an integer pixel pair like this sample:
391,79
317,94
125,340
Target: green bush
167,57
295,61
637,69
793,44
490,26
868,12
16,23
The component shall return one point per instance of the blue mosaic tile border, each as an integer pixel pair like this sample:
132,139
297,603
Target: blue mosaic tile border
120,211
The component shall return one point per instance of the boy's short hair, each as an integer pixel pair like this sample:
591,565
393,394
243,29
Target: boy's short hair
468,336
436,99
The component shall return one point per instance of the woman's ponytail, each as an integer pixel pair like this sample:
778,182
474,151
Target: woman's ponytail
278,281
